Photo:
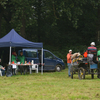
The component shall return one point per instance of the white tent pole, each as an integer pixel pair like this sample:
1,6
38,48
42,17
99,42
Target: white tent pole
42,61
10,55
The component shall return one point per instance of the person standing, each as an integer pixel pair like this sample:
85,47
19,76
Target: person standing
13,60
21,58
69,62
13,57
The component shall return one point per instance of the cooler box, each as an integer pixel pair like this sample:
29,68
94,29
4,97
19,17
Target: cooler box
94,66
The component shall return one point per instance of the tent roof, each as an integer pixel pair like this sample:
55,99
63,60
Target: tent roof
13,39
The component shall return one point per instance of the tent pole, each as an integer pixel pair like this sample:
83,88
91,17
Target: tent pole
42,61
10,55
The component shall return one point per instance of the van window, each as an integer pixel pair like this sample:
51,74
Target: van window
48,55
32,54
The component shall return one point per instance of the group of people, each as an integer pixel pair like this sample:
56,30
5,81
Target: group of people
20,58
90,50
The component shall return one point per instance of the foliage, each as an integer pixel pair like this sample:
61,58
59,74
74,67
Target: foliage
61,24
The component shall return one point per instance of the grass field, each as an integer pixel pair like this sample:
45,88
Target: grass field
49,86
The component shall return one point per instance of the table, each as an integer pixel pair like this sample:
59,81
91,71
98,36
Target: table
31,66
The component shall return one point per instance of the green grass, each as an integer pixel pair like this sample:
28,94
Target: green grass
49,86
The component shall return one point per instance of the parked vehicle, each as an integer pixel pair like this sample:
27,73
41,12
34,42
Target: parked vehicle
51,62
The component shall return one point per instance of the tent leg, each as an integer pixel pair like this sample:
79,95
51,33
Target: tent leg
10,56
42,61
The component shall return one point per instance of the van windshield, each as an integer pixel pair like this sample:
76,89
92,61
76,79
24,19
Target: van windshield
32,54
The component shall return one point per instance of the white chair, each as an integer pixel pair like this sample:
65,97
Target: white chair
0,72
34,67
15,67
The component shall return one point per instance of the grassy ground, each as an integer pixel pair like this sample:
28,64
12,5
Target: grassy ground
49,86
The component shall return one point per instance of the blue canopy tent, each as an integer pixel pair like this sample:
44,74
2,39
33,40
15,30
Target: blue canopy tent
13,39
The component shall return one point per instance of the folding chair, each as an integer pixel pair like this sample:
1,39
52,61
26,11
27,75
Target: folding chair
0,72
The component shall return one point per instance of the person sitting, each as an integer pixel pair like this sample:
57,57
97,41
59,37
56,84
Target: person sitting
85,54
2,69
21,58
95,58
92,49
13,60
98,55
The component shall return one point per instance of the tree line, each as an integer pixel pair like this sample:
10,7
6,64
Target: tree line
59,24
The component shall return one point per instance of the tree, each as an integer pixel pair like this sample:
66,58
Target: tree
22,11
53,22
2,9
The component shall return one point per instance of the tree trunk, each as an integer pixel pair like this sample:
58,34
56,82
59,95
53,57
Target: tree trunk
22,29
98,26
39,20
0,23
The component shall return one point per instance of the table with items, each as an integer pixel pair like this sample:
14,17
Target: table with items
31,66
